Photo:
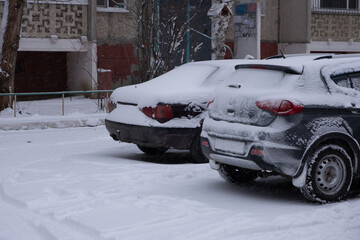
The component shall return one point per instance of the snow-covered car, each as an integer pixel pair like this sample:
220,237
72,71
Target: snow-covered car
297,117
166,112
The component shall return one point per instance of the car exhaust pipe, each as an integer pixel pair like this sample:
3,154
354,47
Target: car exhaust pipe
114,137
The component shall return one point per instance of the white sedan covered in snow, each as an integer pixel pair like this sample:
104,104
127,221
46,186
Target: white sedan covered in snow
166,112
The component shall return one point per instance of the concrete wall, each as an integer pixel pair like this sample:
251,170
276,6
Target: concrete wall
295,21
41,20
116,39
337,27
64,28
269,21
115,28
82,69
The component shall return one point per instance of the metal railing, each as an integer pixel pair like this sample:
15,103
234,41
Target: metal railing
63,93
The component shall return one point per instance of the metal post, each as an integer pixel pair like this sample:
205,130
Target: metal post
63,107
107,102
156,25
15,106
258,30
188,31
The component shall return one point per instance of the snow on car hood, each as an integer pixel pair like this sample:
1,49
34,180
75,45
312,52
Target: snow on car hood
188,83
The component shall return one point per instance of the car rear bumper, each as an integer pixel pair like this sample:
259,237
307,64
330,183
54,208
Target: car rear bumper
178,138
257,155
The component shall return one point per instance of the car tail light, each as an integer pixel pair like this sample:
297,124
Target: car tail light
205,143
111,106
161,112
258,152
280,107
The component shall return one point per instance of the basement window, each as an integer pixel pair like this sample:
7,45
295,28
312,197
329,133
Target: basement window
111,6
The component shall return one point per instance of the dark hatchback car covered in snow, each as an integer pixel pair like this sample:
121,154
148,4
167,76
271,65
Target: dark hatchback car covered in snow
297,117
166,112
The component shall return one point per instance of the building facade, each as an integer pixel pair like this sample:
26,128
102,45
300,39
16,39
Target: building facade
306,26
70,45
88,44
57,48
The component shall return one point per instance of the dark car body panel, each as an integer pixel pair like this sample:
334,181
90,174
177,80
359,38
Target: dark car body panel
313,126
178,138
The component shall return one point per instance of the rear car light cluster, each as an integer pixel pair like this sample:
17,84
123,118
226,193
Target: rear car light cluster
161,112
111,106
280,107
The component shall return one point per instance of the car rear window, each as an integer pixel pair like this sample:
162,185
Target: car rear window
257,78
185,75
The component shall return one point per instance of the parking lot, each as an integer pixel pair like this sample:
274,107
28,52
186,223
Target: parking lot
77,183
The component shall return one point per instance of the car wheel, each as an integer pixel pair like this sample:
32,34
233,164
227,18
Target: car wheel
153,150
329,175
236,174
195,151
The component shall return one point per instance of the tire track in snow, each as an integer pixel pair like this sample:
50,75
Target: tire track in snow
41,226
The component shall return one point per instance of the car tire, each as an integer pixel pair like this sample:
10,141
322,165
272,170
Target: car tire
195,151
329,175
236,175
153,150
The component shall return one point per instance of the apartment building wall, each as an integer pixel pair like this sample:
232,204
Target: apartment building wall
269,28
58,32
335,32
116,41
306,26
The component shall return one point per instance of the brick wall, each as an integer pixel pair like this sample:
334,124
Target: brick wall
117,65
227,53
268,49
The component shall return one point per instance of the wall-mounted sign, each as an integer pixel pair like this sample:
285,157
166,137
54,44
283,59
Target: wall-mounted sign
246,29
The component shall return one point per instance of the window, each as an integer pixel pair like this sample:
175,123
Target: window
348,80
355,80
111,4
336,6
343,4
342,81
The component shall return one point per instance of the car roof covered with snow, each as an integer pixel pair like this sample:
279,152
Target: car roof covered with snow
191,82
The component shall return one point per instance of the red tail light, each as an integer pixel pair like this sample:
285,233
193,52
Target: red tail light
160,112
111,106
205,143
280,107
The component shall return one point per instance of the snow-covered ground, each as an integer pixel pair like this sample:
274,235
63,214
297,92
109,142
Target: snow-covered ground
78,111
77,183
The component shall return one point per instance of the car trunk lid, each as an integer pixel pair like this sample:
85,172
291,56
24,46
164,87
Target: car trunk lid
253,95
